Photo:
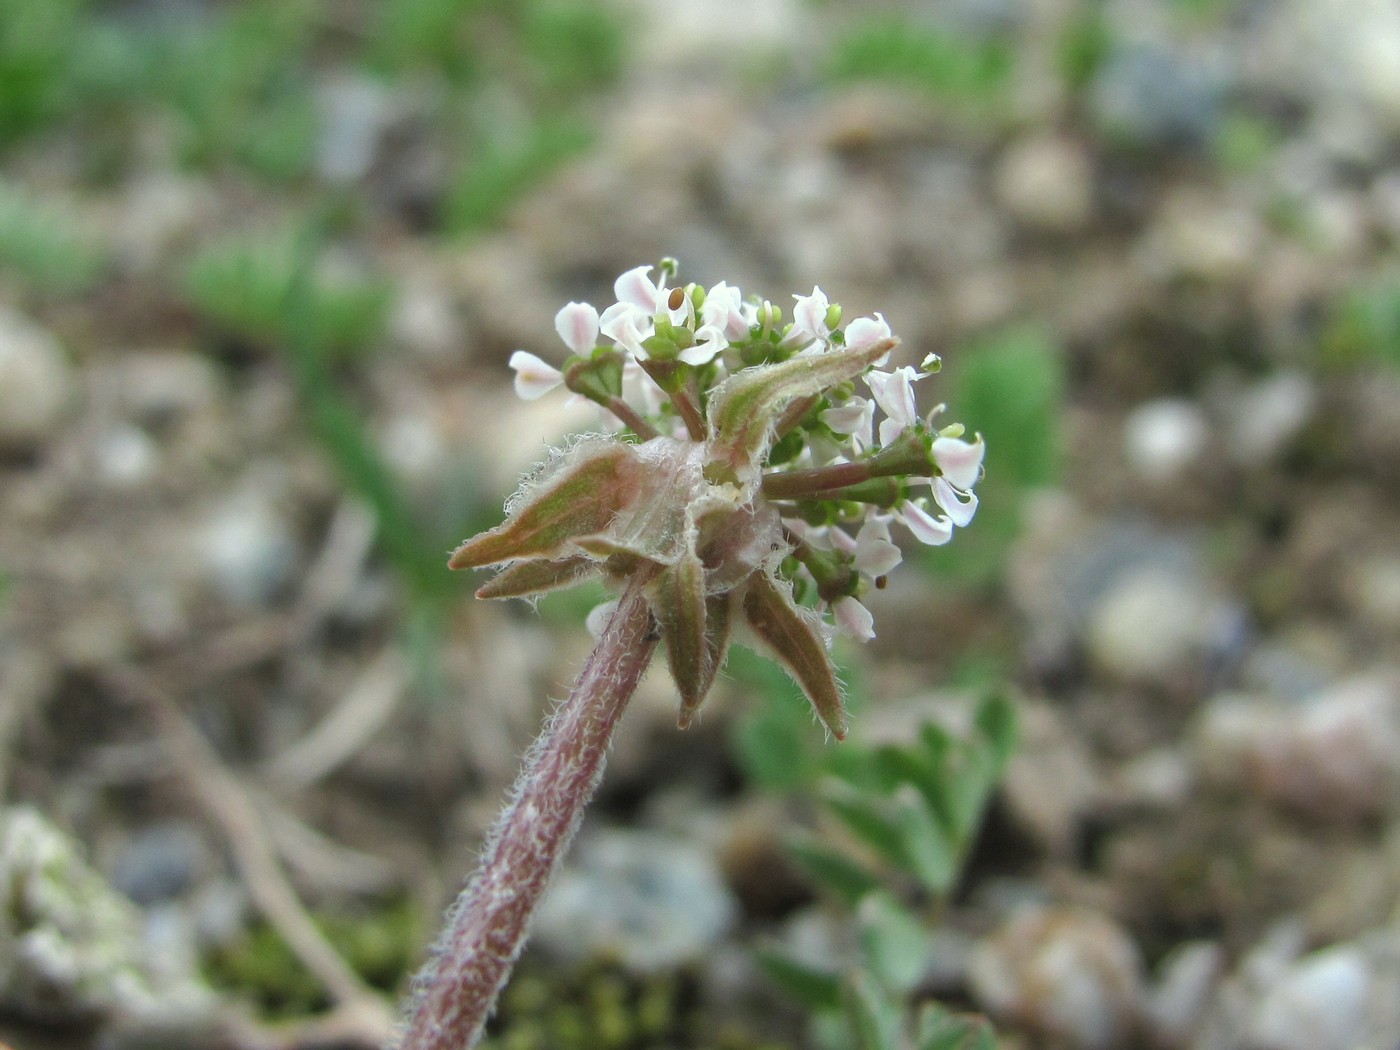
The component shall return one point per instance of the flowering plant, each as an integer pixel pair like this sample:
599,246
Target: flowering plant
745,481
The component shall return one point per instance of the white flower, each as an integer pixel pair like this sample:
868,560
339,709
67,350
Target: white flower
809,318
863,331
959,504
852,618
635,288
710,342
960,461
724,309
577,325
627,325
928,530
894,393
854,418
533,377
876,554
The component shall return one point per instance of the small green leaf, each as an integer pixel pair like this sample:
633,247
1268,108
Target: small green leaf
798,645
874,1018
863,817
580,496
895,943
816,989
940,1029
996,718
836,872
744,408
928,853
536,577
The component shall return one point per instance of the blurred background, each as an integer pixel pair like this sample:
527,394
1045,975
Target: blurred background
261,266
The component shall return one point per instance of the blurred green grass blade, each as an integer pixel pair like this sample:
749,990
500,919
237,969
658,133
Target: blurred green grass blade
1010,387
874,1018
814,988
341,431
895,944
863,818
996,720
45,246
938,1029
925,56
501,172
832,870
929,852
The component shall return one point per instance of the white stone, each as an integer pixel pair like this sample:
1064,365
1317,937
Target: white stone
1335,755
653,901
1047,182
1267,415
1069,974
126,457
247,548
1152,622
1189,976
1319,1004
1163,438
36,382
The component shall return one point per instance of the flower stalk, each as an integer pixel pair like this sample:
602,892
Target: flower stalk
748,490
486,928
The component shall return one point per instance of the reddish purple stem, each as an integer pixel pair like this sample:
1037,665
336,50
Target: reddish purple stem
486,927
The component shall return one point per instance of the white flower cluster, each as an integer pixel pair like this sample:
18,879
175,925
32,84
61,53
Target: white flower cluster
715,333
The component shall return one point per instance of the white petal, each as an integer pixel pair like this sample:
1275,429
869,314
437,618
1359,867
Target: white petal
933,532
894,393
853,618
724,308
876,555
809,315
711,343
577,325
533,377
627,326
864,331
889,430
959,505
841,540
637,289
960,461
850,417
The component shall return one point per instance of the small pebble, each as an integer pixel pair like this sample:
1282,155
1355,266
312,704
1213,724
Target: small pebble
248,549
650,900
1268,415
1162,439
1319,1003
36,382
1069,974
1047,182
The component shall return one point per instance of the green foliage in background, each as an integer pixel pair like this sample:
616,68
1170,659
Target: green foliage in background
238,84
244,285
233,87
498,172
947,64
36,62
44,246
380,946
907,816
1364,327
1009,386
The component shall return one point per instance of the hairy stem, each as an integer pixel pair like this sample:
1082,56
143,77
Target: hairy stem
486,927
